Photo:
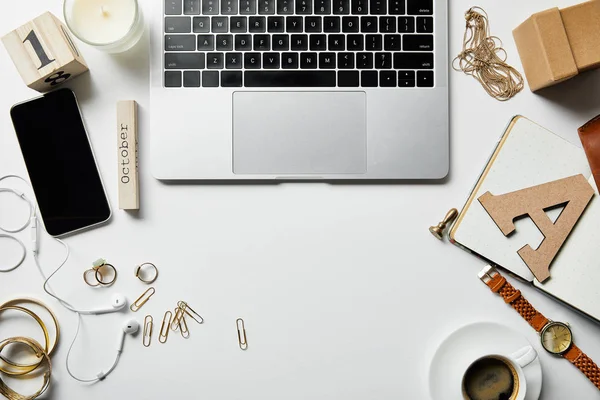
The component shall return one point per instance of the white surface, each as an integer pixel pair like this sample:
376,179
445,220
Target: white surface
474,341
344,292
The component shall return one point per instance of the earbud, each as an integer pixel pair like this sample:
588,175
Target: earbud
129,328
118,302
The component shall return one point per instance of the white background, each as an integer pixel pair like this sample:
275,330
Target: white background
344,291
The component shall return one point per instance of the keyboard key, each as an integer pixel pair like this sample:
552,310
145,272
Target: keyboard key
345,60
355,42
348,78
406,78
359,7
224,42
350,24
247,7
173,79
173,7
337,42
285,6
322,7
275,24
266,7
191,7
257,24
406,24
392,42
233,60
214,60
303,7
243,42
252,60
374,42
331,25
383,60
178,25
308,60
294,24
191,79
184,60
387,79
281,42
364,60
413,61
231,79
271,60
318,42
180,42
387,24
299,42
425,78
220,24
262,42
210,79
239,25
327,60
368,78
396,7
289,60
312,24
419,7
424,24
206,42
378,7
289,78
341,7
201,24
229,7
368,24
418,42
210,7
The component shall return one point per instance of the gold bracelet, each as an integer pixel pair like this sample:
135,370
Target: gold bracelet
40,353
24,369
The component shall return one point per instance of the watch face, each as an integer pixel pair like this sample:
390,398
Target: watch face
556,337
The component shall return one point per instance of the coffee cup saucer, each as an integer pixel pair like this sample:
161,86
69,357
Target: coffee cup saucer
467,343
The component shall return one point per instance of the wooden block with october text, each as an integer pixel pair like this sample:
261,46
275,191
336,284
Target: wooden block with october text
127,140
44,53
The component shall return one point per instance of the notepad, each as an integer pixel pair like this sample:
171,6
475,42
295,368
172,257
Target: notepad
528,155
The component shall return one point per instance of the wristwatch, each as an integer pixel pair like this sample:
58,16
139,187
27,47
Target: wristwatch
556,337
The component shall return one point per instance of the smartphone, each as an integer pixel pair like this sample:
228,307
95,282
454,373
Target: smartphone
60,163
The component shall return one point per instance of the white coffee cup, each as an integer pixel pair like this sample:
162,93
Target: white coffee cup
516,362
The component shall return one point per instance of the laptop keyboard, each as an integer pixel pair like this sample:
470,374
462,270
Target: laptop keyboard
298,43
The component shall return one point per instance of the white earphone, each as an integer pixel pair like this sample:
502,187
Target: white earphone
129,328
118,302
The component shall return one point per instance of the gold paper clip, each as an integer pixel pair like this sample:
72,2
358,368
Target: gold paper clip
164,333
185,332
243,341
148,328
177,319
189,311
143,299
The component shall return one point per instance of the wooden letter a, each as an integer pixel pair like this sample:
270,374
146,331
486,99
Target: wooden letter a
574,193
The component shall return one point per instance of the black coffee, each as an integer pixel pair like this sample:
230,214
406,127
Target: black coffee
489,379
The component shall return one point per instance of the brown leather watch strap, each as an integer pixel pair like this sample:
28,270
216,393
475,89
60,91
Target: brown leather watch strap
584,364
590,139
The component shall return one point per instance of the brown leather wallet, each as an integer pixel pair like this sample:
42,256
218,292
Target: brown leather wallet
590,139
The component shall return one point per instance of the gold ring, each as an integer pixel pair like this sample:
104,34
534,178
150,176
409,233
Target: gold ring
138,273
85,278
99,276
40,353
25,369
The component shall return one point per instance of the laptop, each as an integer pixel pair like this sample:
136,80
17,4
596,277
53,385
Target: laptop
299,89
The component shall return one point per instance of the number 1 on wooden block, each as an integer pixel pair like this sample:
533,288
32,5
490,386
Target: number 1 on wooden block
39,50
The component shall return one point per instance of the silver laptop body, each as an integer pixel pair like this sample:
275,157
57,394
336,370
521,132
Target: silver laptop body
299,89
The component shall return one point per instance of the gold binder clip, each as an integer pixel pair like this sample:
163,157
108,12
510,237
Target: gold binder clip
185,332
148,328
438,230
189,311
143,299
242,340
164,333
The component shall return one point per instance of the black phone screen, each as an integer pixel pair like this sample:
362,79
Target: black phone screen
60,162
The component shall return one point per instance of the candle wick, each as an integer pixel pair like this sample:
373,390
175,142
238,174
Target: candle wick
103,11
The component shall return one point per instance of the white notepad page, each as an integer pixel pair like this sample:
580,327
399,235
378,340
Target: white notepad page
532,155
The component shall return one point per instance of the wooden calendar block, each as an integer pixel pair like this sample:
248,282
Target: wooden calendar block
44,53
127,146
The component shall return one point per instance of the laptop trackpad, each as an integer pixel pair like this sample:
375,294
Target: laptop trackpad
299,133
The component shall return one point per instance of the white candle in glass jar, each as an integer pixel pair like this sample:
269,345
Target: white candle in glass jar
110,25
